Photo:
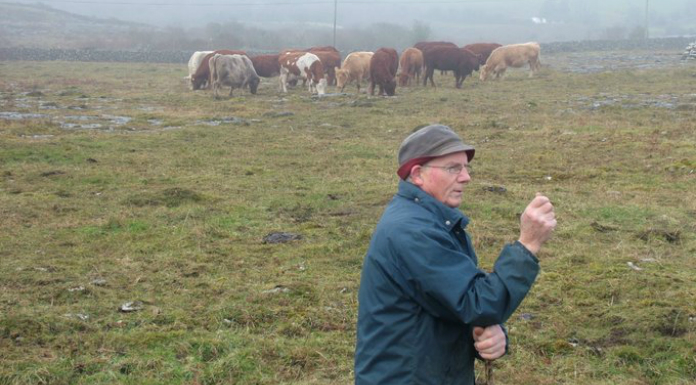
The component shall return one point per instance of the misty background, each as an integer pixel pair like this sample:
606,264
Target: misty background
271,25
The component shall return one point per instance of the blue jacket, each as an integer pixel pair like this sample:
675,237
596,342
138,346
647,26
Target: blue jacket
421,293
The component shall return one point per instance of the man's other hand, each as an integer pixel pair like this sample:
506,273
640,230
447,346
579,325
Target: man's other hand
489,341
537,222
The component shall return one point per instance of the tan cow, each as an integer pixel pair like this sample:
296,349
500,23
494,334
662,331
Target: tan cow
513,55
355,67
411,63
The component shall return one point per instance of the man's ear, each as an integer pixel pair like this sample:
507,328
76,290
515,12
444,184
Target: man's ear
417,175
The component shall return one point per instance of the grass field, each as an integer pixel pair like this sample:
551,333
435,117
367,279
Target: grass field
118,184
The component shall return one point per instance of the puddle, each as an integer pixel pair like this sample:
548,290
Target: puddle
155,122
230,120
20,116
75,126
117,120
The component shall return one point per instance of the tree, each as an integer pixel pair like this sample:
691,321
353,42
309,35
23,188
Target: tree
420,31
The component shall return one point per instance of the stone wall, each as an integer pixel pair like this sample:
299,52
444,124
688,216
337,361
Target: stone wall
94,55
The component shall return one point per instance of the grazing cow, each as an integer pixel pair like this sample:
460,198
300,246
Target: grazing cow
193,64
411,63
461,61
513,55
324,48
330,60
235,71
426,46
305,65
355,67
202,74
483,49
383,66
266,66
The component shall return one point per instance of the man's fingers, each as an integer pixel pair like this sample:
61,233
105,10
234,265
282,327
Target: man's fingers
539,200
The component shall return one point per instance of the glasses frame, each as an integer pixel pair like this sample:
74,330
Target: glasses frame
452,169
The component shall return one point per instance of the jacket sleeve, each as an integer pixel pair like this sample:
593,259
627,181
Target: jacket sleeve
447,283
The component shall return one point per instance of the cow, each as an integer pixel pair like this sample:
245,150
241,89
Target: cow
193,64
411,63
330,60
266,66
483,49
422,45
324,48
356,67
235,71
383,66
305,65
513,55
426,46
461,61
202,74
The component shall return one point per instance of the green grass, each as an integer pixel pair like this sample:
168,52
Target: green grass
175,218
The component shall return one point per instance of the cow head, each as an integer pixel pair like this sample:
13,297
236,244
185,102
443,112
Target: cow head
321,86
341,78
483,72
403,79
254,84
390,87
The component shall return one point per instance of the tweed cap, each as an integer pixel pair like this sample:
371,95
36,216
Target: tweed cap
427,144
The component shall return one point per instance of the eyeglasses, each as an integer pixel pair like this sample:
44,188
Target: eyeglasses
454,169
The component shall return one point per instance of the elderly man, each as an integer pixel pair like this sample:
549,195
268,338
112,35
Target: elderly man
425,309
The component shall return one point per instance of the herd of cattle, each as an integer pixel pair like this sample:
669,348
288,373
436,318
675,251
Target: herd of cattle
320,67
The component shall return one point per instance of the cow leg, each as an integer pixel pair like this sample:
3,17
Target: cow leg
372,88
283,79
231,89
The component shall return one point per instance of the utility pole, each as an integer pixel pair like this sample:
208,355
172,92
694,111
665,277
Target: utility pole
335,13
647,31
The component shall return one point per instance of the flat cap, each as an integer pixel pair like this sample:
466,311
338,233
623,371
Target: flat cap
429,143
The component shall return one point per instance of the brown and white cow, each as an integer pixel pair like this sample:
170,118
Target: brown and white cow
411,64
330,60
461,61
483,49
383,66
513,55
234,71
305,65
193,64
356,67
202,75
266,66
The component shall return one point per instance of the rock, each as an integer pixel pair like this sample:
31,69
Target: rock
633,266
278,114
281,237
129,307
276,290
495,189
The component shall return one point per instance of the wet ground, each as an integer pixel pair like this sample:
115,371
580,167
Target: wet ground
87,113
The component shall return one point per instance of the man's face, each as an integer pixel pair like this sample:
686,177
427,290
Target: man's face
436,179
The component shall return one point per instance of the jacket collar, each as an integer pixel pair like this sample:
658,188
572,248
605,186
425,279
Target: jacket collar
449,216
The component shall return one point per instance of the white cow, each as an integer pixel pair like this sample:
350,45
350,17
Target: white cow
193,64
234,71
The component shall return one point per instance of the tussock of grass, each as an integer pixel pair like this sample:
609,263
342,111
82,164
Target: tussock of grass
174,216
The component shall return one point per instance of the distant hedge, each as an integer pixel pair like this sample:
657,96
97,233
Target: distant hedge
94,55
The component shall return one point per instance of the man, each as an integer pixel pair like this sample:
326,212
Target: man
425,309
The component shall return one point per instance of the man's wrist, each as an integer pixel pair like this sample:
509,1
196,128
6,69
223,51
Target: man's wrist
530,246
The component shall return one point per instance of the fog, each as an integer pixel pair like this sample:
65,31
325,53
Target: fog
503,21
